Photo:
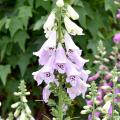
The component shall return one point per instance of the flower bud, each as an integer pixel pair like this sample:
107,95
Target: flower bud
115,79
27,109
84,112
27,93
17,93
23,99
106,87
23,115
87,107
17,112
72,13
60,3
15,105
88,96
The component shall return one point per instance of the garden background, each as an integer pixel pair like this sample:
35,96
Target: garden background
21,33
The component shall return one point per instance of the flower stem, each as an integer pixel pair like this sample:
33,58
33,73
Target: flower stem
60,104
59,24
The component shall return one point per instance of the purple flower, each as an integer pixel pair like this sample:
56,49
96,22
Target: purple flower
47,49
46,72
94,77
73,76
75,91
46,93
60,60
118,14
74,52
116,38
84,75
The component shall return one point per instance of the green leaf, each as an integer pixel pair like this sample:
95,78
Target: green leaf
25,12
3,46
43,3
20,37
23,62
109,5
15,25
4,71
39,23
2,22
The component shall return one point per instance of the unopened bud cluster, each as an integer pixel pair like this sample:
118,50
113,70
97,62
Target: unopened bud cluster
22,110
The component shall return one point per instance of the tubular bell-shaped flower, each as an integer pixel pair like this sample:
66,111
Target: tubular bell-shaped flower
47,49
72,13
74,52
72,28
60,61
49,24
46,72
46,93
73,76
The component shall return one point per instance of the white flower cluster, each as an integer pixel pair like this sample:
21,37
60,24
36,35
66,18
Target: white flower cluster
22,111
71,27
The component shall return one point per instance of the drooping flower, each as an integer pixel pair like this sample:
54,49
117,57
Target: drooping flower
80,88
74,52
73,92
60,3
72,13
116,38
46,72
60,60
47,49
49,24
84,75
73,76
94,77
72,28
70,45
46,93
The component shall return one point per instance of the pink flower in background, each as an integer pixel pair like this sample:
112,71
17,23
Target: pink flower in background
47,49
118,14
116,38
94,77
46,93
60,60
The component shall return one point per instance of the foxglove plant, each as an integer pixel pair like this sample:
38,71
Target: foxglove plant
22,110
61,61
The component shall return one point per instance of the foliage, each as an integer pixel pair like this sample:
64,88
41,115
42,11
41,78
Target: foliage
21,33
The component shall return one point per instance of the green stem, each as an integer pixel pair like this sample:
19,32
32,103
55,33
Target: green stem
59,24
60,104
113,103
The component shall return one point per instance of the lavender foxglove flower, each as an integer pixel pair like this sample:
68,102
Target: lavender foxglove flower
116,38
46,93
47,49
46,72
72,28
60,60
73,76
118,14
74,52
80,88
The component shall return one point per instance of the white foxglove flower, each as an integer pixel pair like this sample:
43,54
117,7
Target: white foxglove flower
72,13
49,24
106,107
60,3
72,28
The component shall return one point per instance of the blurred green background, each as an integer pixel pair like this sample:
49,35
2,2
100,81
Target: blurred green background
21,33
